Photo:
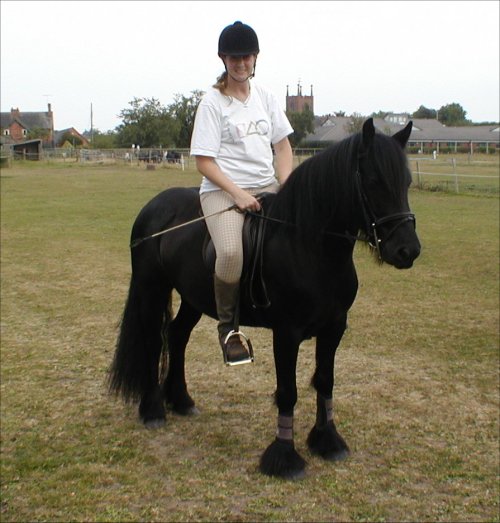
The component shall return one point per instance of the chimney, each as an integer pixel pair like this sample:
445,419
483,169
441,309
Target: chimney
49,108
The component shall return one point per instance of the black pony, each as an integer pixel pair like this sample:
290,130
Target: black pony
356,189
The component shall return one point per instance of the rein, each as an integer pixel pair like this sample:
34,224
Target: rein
369,217
371,222
345,235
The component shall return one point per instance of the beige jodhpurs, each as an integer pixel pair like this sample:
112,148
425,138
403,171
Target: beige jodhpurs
226,231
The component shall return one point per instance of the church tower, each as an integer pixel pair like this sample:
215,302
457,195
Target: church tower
298,103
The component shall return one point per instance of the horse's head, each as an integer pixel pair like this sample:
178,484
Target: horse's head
382,182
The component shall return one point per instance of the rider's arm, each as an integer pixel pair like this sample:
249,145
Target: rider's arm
207,166
284,159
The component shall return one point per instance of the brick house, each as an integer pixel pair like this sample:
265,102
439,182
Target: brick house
16,126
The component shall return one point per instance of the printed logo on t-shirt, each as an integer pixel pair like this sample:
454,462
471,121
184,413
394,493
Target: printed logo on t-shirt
244,129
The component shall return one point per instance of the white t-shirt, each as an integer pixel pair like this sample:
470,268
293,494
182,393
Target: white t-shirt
238,135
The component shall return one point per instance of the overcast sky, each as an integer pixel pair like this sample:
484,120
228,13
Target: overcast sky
361,57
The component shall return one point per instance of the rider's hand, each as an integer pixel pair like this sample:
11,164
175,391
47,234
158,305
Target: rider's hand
246,202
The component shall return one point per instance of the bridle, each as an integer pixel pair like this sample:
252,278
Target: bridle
371,221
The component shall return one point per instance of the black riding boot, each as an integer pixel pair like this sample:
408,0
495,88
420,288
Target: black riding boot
227,300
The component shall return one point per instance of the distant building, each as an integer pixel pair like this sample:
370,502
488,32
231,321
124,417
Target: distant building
26,133
397,118
299,102
429,132
69,138
17,127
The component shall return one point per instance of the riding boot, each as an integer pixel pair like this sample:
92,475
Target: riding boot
227,301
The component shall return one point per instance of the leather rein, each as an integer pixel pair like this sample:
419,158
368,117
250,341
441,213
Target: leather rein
371,221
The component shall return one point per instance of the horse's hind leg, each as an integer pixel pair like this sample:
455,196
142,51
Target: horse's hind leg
324,440
155,310
174,387
134,370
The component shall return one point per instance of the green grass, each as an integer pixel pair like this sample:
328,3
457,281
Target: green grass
417,374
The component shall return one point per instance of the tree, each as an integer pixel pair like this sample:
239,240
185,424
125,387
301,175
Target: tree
100,140
452,115
146,123
424,112
38,132
355,124
183,111
302,123
380,114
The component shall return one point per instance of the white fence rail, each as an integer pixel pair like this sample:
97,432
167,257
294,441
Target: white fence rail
430,173
446,176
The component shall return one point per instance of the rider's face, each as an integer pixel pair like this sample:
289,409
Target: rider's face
240,67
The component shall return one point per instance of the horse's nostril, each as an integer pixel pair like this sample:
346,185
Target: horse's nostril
408,254
404,253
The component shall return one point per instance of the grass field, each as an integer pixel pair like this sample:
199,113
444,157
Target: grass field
417,395
460,173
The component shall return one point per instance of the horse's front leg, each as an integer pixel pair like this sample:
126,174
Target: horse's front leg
280,458
324,440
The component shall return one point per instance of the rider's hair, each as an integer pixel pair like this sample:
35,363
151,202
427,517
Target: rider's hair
221,83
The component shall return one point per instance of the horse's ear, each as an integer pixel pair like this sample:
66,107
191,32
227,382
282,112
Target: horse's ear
368,132
402,136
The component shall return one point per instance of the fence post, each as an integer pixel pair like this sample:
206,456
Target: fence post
419,181
454,163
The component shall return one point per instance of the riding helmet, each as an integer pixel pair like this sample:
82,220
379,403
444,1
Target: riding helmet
238,39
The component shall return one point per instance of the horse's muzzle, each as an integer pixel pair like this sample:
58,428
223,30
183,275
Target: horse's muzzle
403,255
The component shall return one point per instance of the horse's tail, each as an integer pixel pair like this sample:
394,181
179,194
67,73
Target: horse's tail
141,345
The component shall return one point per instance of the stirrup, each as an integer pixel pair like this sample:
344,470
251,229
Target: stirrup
248,348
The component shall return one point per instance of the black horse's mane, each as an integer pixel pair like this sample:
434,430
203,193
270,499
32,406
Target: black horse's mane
317,189
321,190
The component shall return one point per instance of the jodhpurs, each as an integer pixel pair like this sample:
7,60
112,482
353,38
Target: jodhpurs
226,231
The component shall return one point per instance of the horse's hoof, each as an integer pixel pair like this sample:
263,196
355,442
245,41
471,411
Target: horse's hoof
327,443
281,460
340,455
295,476
154,424
189,411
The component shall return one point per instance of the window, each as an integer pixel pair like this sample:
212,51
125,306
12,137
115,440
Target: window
6,132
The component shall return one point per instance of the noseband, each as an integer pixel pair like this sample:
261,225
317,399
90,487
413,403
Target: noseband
372,221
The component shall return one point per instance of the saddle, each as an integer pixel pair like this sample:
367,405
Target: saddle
253,286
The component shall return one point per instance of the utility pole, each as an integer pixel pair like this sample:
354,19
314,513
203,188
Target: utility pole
91,126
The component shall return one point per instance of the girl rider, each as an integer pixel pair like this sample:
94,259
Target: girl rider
236,124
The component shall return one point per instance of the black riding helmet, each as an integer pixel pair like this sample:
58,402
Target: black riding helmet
238,39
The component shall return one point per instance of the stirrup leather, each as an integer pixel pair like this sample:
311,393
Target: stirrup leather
248,348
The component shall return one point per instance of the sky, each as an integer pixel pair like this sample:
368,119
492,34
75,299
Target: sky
360,56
